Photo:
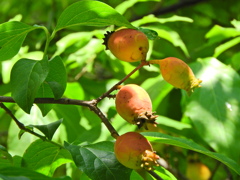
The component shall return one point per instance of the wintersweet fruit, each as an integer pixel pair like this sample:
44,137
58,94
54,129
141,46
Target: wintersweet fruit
178,73
134,151
128,45
196,170
134,105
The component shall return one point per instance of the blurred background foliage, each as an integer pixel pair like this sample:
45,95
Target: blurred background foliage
203,33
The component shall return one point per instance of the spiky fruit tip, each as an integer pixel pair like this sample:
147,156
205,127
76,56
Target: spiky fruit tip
134,151
177,73
134,105
128,45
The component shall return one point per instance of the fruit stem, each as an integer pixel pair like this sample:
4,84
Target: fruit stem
154,61
106,94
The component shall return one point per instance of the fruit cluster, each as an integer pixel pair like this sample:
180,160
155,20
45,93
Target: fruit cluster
131,45
133,103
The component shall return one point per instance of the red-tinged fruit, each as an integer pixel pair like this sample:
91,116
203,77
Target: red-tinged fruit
134,151
134,105
178,73
128,45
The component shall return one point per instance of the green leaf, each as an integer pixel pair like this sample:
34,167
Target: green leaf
218,34
54,85
98,161
164,174
214,108
225,46
172,36
45,92
17,173
235,61
151,34
157,89
12,178
57,77
12,35
187,144
71,116
21,132
5,158
236,24
45,157
49,129
121,8
152,19
90,13
26,78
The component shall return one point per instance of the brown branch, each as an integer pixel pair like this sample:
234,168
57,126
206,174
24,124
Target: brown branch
23,127
92,105
106,94
51,101
104,119
179,5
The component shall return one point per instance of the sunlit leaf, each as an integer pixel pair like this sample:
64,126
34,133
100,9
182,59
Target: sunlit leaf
152,19
236,24
157,89
187,144
44,157
12,35
223,47
90,13
164,174
121,8
218,34
214,108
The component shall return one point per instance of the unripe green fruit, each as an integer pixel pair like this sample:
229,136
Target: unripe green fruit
178,73
128,45
134,151
134,105
197,171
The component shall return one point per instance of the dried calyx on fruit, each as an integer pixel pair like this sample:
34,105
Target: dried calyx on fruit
134,151
128,45
134,105
178,73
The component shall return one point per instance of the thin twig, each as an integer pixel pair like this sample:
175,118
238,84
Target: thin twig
51,101
22,127
90,104
215,170
104,119
155,175
106,94
179,5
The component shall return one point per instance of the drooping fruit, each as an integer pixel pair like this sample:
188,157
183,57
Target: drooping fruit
134,151
134,105
196,170
128,45
178,73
